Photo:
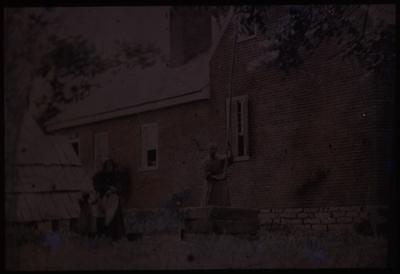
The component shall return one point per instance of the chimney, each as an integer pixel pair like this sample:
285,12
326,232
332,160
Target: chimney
190,34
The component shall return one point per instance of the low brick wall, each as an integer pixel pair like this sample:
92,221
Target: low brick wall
221,220
365,220
151,221
191,220
369,220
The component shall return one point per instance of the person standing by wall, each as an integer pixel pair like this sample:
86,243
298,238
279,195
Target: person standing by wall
102,182
86,218
215,168
114,227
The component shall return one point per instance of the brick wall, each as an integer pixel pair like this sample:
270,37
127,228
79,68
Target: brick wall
316,133
367,220
317,136
183,138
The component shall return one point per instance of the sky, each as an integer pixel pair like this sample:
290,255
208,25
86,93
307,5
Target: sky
105,25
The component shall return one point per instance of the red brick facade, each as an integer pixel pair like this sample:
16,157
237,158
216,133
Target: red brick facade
368,220
181,137
322,118
316,136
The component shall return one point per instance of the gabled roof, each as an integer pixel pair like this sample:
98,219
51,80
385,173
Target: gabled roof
131,91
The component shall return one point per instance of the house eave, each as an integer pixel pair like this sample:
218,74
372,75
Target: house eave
98,117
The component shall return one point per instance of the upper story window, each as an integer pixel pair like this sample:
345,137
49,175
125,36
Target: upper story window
237,112
101,151
149,133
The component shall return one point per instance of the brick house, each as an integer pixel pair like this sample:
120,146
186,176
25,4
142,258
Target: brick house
310,145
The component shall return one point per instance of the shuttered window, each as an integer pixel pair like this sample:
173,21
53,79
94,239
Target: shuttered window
149,146
101,152
238,113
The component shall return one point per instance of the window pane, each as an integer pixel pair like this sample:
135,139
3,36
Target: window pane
151,157
75,146
149,145
245,122
239,116
240,145
152,136
237,125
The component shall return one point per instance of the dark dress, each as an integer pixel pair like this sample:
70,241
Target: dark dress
102,181
115,229
85,218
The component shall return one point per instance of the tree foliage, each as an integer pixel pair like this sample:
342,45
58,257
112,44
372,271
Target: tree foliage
69,64
300,31
356,29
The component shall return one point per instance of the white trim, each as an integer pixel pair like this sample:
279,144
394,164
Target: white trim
199,95
244,99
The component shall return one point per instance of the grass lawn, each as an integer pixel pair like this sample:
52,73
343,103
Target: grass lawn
267,250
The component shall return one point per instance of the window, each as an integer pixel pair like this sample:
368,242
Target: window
237,112
149,146
100,149
75,146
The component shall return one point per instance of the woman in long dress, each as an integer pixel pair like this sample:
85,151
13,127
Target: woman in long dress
217,192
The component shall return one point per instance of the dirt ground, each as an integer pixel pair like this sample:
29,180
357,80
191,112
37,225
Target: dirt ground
267,250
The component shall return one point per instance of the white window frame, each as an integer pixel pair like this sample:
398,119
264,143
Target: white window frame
234,130
96,137
145,147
